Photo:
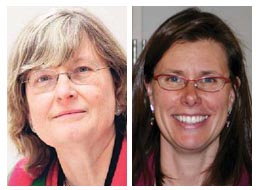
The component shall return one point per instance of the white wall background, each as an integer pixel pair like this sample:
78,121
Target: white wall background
18,17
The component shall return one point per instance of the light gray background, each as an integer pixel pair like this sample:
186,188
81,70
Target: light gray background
18,17
146,20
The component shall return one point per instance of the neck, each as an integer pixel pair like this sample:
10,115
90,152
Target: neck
85,165
183,167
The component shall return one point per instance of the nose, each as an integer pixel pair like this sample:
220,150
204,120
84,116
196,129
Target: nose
64,90
190,96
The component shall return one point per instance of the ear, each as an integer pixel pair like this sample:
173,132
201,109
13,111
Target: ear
148,87
238,82
232,93
29,120
231,99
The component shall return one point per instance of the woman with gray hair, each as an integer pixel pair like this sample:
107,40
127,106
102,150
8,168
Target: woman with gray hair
67,102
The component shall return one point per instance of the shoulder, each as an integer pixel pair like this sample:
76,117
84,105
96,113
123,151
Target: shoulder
120,176
19,176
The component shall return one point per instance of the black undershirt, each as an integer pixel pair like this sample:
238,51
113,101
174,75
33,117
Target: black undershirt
115,154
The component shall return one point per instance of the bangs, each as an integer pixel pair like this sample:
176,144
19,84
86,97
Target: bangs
53,42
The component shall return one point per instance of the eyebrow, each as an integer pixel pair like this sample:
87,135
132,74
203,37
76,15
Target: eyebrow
182,73
87,60
83,58
209,72
173,71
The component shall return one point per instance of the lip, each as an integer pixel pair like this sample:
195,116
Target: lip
68,113
191,121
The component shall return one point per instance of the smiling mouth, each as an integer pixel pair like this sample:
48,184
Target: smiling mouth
68,113
191,119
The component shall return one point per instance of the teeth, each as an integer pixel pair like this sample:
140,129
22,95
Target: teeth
191,119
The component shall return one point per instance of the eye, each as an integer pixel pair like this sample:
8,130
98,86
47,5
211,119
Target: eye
173,78
43,78
82,69
209,80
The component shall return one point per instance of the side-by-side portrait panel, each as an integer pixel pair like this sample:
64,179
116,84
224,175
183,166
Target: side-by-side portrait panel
190,77
67,96
192,107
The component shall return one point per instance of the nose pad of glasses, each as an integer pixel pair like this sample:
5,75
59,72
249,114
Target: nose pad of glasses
195,85
67,74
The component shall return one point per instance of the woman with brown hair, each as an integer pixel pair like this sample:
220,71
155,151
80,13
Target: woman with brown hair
191,105
67,102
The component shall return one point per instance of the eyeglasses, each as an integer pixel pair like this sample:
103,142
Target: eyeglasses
207,84
44,80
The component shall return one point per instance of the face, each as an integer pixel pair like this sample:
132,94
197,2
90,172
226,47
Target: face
175,110
75,113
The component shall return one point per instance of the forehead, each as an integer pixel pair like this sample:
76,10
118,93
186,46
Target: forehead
194,57
86,53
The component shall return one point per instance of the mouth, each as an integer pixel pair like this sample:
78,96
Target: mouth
191,120
68,113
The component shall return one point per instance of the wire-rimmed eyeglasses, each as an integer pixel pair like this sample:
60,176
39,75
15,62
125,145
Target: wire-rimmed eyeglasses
207,84
44,80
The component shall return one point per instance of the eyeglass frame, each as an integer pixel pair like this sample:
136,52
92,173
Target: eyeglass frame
186,81
56,76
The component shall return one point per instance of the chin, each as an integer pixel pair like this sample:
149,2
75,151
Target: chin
191,144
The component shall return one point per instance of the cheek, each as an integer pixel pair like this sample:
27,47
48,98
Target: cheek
39,111
39,107
164,99
219,101
101,96
219,106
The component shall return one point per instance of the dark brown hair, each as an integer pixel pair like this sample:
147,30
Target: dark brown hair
234,154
